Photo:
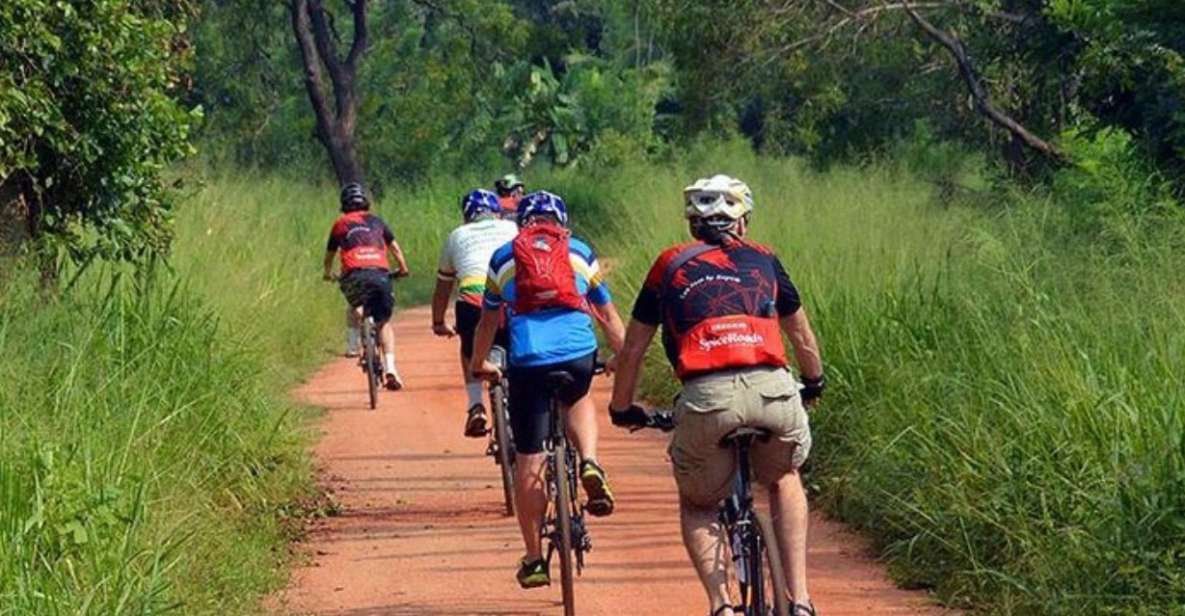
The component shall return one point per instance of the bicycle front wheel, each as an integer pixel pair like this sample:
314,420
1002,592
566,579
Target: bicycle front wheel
502,441
563,514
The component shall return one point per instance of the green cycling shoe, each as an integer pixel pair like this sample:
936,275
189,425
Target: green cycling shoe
533,574
596,485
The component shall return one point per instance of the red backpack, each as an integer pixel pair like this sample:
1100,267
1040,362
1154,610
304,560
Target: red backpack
543,275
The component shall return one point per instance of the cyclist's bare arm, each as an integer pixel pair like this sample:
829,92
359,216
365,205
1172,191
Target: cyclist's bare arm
806,348
483,341
629,363
327,264
610,322
397,254
440,297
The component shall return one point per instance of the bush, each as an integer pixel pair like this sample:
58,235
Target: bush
1110,189
89,121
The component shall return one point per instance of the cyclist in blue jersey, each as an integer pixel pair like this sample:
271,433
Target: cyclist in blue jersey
544,340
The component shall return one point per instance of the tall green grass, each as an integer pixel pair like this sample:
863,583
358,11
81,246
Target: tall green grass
1007,407
150,459
1006,415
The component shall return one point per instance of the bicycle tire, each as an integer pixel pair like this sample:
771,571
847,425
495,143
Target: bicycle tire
773,578
371,357
503,442
563,514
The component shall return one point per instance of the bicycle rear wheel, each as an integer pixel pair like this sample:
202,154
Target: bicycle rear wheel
563,514
502,441
767,592
371,358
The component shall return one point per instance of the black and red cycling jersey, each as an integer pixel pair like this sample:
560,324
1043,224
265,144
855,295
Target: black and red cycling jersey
509,205
719,306
363,239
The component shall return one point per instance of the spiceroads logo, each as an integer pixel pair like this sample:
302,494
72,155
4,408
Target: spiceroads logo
732,339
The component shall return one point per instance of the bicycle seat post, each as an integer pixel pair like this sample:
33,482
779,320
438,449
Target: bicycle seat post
740,441
556,382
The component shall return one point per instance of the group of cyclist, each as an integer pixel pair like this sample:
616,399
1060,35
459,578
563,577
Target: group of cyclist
722,301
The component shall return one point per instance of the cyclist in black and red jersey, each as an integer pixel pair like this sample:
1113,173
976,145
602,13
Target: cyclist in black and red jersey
510,189
723,303
365,242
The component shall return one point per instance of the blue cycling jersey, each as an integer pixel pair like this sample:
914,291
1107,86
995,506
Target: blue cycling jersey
554,335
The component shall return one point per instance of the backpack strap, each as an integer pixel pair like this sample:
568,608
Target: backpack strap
681,259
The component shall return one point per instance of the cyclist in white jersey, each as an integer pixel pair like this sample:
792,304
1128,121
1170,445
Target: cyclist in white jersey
464,262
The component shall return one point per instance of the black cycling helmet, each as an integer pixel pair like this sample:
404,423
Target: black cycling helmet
354,197
507,183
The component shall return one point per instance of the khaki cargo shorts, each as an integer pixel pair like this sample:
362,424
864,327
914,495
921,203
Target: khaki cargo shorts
713,405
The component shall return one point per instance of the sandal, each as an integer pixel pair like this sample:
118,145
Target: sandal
724,609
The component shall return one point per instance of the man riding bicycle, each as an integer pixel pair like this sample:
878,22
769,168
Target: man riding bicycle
466,258
365,242
510,190
549,282
721,301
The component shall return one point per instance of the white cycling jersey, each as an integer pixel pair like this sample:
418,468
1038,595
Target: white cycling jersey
466,255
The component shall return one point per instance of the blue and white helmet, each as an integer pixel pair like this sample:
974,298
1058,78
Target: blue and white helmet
478,202
542,203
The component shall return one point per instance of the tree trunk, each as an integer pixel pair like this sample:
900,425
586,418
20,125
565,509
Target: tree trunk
335,124
343,153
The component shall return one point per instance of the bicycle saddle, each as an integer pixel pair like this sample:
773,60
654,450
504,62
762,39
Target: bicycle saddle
559,379
744,436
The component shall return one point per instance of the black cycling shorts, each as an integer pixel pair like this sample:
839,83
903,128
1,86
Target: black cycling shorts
467,317
530,402
371,289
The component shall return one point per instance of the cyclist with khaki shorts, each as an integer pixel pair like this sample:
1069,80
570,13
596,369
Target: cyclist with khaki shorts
723,303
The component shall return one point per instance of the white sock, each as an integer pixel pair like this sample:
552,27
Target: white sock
473,389
353,339
389,362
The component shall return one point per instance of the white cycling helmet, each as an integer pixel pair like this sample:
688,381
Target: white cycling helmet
719,195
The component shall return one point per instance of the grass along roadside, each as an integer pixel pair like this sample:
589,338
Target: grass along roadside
149,454
1007,412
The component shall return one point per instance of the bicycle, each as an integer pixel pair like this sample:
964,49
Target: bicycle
371,361
757,561
563,528
501,446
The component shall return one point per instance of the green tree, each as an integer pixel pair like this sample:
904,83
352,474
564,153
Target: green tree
89,121
834,77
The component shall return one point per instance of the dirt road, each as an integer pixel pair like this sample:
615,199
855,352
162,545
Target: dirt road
422,532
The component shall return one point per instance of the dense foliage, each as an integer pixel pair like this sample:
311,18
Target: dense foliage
451,85
89,120
839,77
829,79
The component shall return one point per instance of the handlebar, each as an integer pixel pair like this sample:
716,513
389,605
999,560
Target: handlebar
392,276
658,419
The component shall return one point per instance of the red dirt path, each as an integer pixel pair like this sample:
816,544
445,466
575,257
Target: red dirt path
422,532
